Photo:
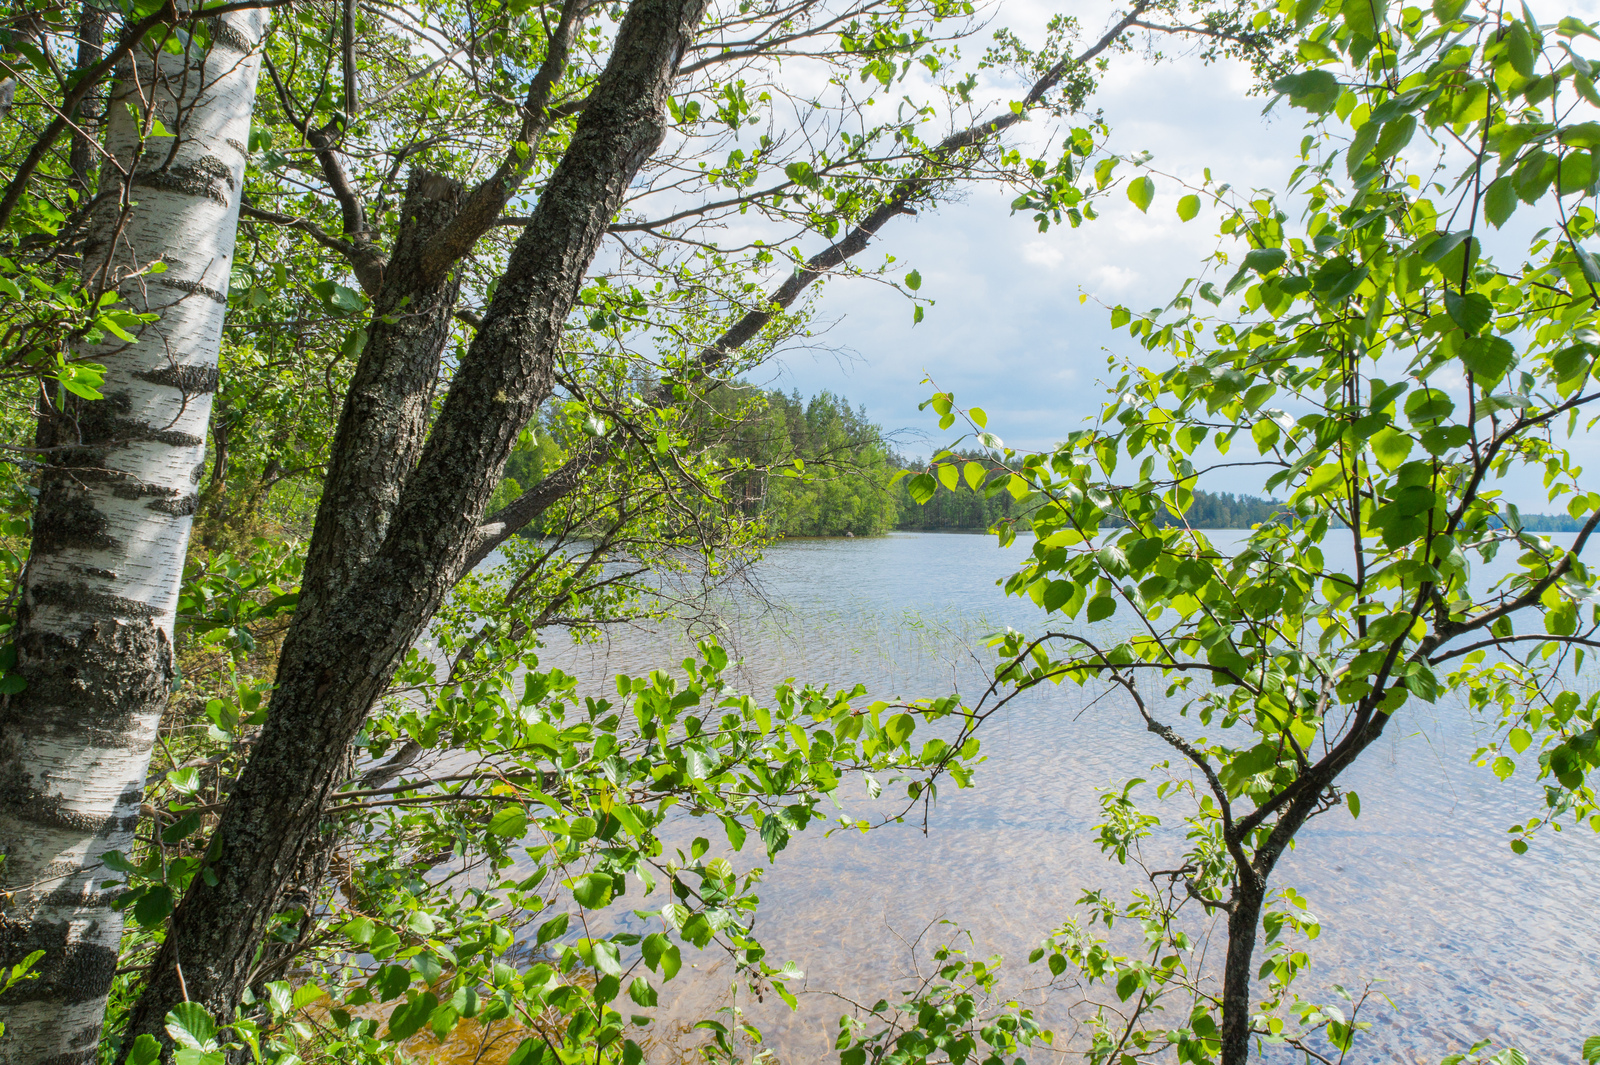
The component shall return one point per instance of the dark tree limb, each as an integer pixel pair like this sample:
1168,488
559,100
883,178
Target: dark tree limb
480,209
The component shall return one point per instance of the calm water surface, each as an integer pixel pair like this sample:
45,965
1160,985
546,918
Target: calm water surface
1420,898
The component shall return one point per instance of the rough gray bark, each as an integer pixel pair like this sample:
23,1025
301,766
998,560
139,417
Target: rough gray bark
383,422
94,634
335,663
82,156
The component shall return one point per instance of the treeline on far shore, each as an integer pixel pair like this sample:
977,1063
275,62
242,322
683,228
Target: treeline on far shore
820,467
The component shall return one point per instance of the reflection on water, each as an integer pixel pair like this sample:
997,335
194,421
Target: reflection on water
1421,893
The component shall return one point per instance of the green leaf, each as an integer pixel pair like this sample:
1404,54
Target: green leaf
1397,133
735,832
1489,358
1354,801
1426,406
182,828
1591,1050
189,1056
358,930
641,992
1337,278
1391,447
184,781
592,890
1142,553
191,1025
554,928
532,1051
1141,191
1520,48
1328,475
443,1021
697,929
922,487
389,982
1265,260
409,1017
428,968
1317,91
671,961
1471,311
1057,594
1100,608
899,728
337,298
1500,201
1586,263
281,996
607,958
146,1050
385,941
1561,619
1364,17
1519,739
510,822
1188,207
913,281
774,835
153,906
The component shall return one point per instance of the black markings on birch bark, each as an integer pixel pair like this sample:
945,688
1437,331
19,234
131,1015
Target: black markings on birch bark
193,288
191,380
95,626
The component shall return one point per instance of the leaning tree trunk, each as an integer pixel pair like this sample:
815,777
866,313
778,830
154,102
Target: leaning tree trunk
94,636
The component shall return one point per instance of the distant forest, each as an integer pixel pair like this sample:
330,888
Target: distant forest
841,484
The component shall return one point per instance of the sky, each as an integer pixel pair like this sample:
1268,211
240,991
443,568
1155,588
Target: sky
1008,332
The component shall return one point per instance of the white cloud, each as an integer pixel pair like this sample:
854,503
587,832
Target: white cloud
1040,253
1113,279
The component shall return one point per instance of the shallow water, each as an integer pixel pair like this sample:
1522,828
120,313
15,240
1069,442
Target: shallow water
1421,894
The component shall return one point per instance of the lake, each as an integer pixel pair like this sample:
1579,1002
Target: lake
1421,897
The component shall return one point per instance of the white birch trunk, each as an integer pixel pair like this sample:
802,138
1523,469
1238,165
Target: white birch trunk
111,530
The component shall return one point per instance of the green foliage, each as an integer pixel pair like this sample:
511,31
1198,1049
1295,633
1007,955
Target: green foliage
953,493
941,1019
1396,379
18,973
814,468
575,793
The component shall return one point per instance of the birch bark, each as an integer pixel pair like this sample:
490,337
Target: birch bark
111,528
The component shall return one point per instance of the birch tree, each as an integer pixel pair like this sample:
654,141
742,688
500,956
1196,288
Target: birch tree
94,637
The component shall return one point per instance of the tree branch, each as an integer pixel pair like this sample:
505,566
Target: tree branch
311,229
480,210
